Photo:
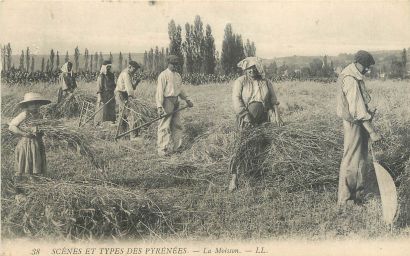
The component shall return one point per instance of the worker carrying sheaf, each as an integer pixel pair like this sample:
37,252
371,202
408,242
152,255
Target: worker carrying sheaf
169,90
254,102
67,81
352,107
30,154
123,92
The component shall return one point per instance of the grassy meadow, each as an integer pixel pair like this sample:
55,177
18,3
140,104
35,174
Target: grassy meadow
133,193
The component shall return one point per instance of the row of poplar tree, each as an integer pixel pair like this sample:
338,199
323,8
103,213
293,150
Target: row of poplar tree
197,51
91,62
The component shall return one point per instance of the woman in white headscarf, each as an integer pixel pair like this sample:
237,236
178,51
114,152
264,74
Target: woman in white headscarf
105,94
67,81
254,102
254,99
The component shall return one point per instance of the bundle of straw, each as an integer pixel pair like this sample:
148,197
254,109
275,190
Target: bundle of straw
9,106
144,110
56,135
78,211
290,157
69,107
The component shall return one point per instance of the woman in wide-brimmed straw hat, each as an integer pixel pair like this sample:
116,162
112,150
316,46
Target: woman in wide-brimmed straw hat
30,151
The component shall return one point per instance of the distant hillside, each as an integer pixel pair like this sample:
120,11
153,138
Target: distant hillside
343,59
382,58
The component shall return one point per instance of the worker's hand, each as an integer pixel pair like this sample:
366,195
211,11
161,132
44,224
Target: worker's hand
189,103
161,111
247,118
372,113
375,137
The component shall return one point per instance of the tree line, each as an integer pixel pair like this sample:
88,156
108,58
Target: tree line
197,51
91,62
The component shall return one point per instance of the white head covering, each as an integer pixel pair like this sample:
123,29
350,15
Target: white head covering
64,68
252,61
103,69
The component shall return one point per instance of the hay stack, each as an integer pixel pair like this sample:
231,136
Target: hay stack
69,107
56,135
77,211
145,111
292,157
9,106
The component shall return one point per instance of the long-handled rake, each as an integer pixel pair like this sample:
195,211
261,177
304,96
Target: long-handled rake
148,123
85,108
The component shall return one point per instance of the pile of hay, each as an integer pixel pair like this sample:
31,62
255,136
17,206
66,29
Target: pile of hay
69,106
56,136
9,106
145,111
292,157
78,211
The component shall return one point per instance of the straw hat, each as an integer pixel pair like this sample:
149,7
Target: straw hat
32,97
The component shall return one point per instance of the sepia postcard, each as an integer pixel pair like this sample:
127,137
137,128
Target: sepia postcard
205,127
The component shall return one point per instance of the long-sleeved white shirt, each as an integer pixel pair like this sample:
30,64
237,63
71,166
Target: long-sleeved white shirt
245,91
355,93
169,85
124,82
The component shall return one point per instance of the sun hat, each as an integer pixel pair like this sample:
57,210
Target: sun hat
31,97
107,62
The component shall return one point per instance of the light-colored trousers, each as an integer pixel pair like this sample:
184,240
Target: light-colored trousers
170,128
353,167
127,120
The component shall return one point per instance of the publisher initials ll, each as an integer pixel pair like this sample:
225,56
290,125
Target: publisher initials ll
260,250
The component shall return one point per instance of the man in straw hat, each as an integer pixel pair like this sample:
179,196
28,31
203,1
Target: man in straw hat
254,101
124,91
30,151
169,89
352,107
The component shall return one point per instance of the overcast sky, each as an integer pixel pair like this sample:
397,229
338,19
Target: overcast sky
279,28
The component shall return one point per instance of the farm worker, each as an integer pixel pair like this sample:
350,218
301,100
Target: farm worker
169,89
67,81
352,107
124,91
30,155
254,102
105,94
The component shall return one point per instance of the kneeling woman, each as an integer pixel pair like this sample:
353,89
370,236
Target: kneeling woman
254,102
30,152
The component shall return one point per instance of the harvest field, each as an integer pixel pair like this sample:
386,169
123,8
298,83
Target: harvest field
98,188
